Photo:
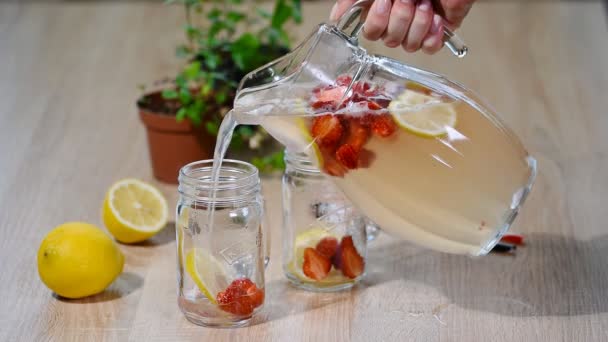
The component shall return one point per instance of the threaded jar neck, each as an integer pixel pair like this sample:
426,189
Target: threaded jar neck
238,181
300,162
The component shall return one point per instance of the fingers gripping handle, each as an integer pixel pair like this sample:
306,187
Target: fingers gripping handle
351,24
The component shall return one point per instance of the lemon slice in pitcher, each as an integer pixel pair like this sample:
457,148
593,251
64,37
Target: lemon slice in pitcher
316,151
207,272
422,114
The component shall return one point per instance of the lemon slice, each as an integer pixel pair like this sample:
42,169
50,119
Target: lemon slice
316,152
335,277
422,114
310,238
134,211
207,272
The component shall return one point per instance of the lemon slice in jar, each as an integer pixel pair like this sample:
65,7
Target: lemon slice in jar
422,114
207,272
310,238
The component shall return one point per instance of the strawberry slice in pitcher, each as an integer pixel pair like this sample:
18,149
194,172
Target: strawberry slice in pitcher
327,130
328,98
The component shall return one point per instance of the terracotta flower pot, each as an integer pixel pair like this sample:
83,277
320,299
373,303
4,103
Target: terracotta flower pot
171,144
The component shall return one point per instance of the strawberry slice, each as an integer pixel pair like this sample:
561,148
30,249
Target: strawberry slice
344,80
327,130
256,295
383,125
328,97
365,158
333,168
361,87
357,135
327,246
352,264
348,156
231,300
242,284
316,266
373,105
241,297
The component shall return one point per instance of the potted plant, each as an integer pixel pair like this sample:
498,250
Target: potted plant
226,39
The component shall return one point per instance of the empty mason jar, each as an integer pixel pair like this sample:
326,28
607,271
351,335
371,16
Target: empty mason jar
220,266
324,237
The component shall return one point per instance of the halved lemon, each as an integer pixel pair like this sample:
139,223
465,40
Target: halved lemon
207,272
422,114
134,211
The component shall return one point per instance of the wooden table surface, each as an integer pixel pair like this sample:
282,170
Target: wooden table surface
68,129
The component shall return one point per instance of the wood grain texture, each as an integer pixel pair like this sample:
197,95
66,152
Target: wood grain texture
68,129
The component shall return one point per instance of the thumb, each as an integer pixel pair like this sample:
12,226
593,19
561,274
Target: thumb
454,11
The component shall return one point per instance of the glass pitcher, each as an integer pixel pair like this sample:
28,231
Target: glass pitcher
418,154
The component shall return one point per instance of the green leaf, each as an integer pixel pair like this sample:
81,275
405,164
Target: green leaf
221,97
278,160
194,115
245,131
192,32
282,13
258,163
206,89
214,14
212,60
244,51
216,28
181,81
169,94
235,16
237,142
296,11
212,127
181,114
185,97
192,70
283,36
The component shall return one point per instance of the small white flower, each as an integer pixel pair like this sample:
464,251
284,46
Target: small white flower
256,140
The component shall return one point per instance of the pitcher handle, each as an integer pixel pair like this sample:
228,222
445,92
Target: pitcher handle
351,24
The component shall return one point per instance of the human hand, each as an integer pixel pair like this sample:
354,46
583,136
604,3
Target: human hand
413,24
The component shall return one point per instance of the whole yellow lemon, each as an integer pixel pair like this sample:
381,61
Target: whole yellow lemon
78,259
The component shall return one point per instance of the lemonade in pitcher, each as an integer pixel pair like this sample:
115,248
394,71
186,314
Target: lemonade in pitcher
425,166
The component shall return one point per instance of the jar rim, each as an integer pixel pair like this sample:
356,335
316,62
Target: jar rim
243,175
300,161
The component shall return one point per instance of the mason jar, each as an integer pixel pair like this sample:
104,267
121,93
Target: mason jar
324,237
220,256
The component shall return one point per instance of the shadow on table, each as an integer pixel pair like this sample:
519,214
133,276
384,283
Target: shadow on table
165,236
551,276
287,300
126,283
